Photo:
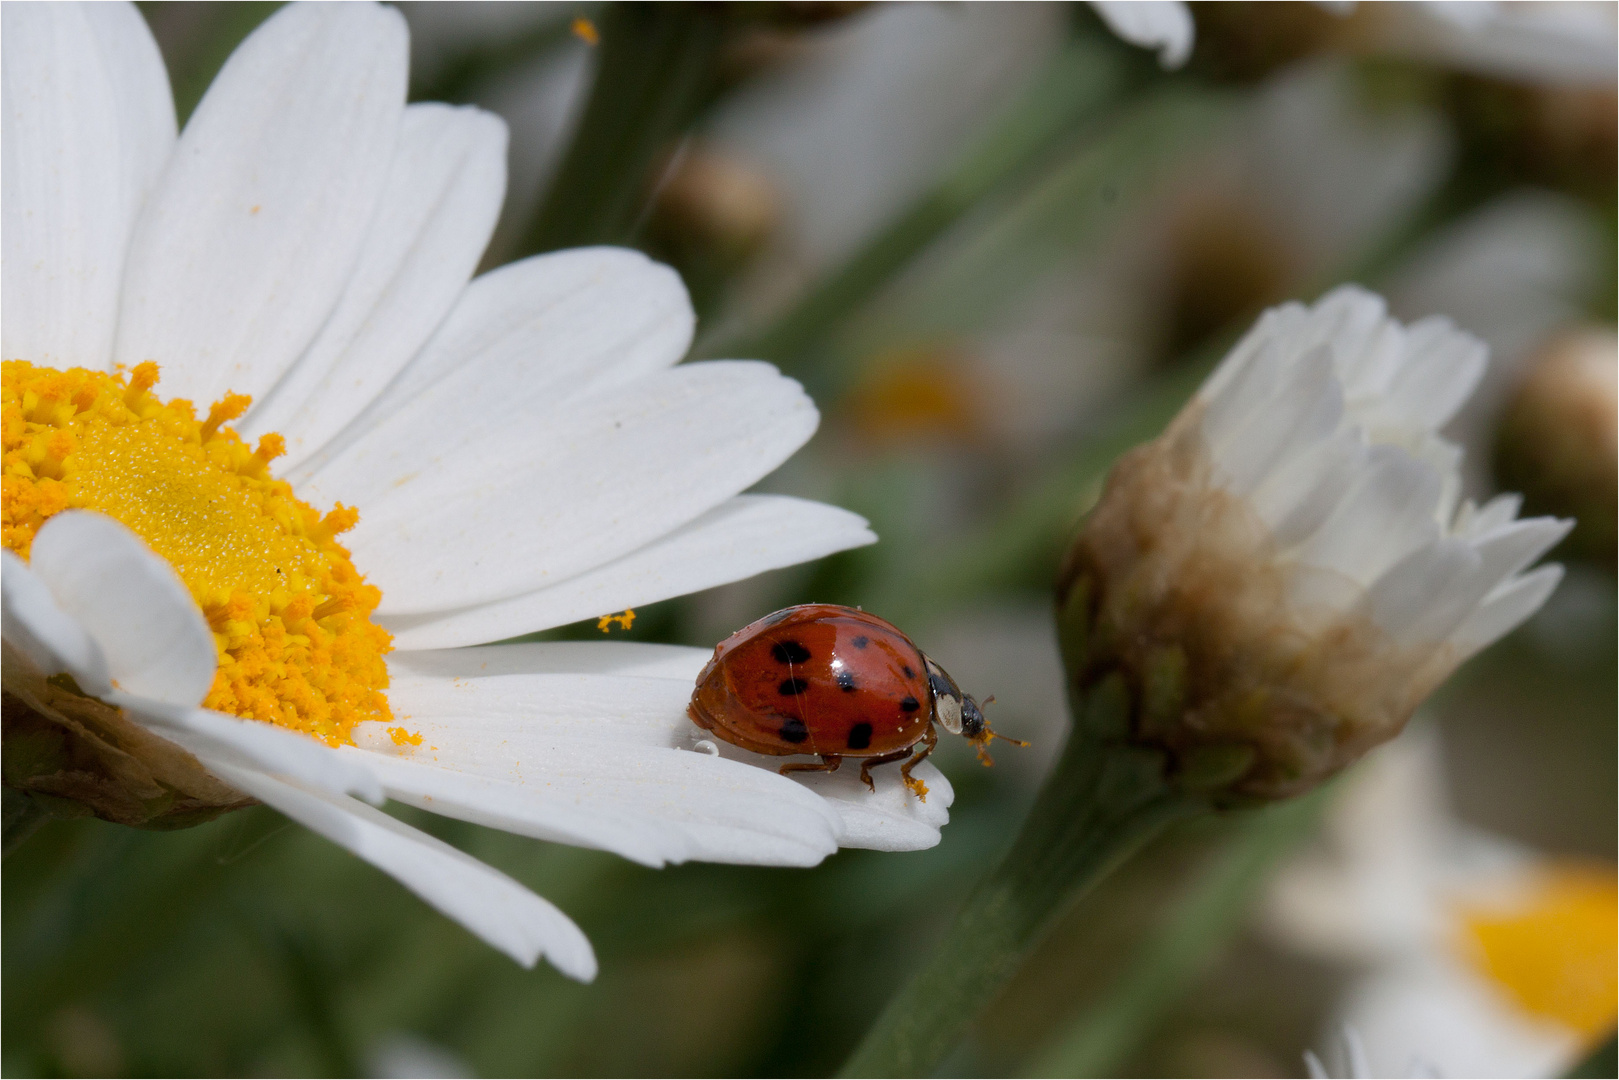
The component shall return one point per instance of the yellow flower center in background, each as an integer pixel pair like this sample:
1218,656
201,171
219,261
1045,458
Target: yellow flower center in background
290,614
1556,949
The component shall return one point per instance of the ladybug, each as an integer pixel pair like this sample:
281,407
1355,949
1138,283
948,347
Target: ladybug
836,682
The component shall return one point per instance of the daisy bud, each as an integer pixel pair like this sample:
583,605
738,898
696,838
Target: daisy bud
1559,437
714,207
1274,584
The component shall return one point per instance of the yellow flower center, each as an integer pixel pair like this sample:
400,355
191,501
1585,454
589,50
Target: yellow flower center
290,614
1556,949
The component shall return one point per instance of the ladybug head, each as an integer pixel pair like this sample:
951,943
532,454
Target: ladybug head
976,728
972,718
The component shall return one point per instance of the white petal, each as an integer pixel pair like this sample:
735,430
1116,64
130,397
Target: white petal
131,602
541,498
739,538
1305,408
1246,390
651,806
537,810
552,658
480,898
1501,611
1299,494
1278,324
46,635
1509,548
599,760
1366,344
1165,25
891,819
1443,366
253,745
1435,591
245,244
439,206
1424,596
520,339
1386,515
88,123
1477,520
1495,513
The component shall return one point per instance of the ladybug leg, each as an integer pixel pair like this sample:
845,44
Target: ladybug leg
828,763
929,741
880,759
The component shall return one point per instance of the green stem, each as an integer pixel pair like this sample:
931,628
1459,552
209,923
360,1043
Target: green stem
655,73
1101,803
1073,88
1100,1038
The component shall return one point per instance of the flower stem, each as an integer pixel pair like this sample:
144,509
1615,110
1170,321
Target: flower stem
1099,1039
655,72
1103,800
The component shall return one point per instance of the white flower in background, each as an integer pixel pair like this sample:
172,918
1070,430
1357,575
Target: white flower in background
521,450
1286,573
1552,42
1471,955
1165,25
1351,1054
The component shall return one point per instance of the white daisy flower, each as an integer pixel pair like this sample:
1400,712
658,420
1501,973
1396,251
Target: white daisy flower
1286,573
1470,955
520,448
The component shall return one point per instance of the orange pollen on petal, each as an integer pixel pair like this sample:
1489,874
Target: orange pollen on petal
624,619
401,737
291,616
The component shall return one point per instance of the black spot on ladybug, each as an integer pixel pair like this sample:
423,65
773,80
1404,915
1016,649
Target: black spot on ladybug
860,642
794,731
909,704
845,680
789,652
940,685
909,674
793,687
859,736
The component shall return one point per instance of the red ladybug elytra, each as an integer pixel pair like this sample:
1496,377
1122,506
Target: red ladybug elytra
837,682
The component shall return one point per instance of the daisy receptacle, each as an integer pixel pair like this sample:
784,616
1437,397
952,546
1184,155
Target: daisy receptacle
1260,596
277,466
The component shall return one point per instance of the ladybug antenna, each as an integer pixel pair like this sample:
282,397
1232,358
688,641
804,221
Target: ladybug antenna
985,735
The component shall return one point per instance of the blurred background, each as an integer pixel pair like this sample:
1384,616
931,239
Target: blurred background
998,245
